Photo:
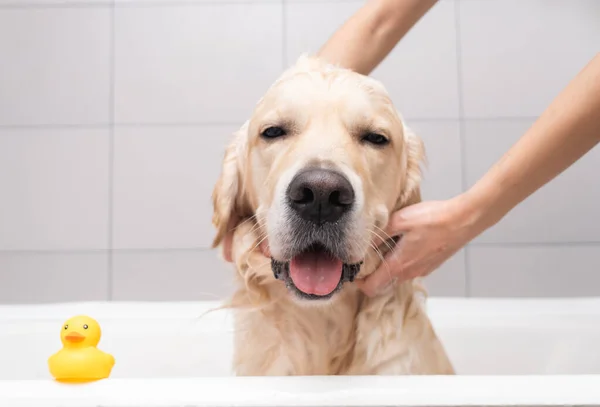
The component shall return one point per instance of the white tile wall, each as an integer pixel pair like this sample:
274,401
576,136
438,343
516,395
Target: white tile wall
202,63
517,55
47,277
450,279
178,275
54,185
421,74
442,170
114,116
54,66
163,2
53,3
565,210
163,181
535,271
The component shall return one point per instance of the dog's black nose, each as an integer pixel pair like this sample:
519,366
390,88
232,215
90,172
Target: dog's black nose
320,195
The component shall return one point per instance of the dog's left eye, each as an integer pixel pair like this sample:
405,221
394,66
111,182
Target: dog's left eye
376,139
273,132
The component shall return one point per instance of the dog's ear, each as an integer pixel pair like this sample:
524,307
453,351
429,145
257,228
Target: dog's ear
414,156
229,197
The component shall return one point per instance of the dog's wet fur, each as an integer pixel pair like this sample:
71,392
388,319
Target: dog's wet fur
326,127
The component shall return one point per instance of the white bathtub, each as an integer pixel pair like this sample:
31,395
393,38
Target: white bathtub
507,352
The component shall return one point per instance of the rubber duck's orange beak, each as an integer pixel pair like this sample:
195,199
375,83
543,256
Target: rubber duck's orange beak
74,337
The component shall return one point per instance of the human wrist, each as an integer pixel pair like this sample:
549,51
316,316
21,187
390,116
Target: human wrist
481,207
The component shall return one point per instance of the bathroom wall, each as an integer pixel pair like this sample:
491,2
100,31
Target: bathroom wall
114,116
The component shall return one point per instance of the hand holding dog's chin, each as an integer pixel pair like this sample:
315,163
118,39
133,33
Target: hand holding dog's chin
431,232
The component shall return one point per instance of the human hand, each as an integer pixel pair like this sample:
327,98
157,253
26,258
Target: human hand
431,232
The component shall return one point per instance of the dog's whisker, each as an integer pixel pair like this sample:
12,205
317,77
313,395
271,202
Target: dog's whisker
254,228
385,241
260,241
388,237
245,221
378,252
260,265
382,238
383,261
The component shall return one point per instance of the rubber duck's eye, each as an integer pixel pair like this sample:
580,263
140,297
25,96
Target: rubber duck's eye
66,326
85,326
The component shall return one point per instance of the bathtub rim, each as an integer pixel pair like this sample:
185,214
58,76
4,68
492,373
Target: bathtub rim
330,391
464,390
468,307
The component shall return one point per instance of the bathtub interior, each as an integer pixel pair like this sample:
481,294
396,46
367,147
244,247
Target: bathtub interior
186,340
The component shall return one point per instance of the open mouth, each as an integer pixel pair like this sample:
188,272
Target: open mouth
315,273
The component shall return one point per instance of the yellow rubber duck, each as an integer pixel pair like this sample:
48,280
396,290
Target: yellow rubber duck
79,360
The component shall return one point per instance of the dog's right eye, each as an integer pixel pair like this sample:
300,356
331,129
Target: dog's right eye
273,132
375,139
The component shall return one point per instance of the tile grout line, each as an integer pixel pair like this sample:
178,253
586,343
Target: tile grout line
131,4
111,152
58,5
492,245
461,132
141,3
503,245
284,61
207,124
104,251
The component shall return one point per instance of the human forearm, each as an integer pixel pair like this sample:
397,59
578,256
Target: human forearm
567,130
367,37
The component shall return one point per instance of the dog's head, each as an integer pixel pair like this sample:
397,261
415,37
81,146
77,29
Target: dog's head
322,163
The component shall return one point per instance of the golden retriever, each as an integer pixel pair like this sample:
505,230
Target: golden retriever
317,171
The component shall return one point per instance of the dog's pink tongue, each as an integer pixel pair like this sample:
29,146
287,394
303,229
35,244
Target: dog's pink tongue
316,273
